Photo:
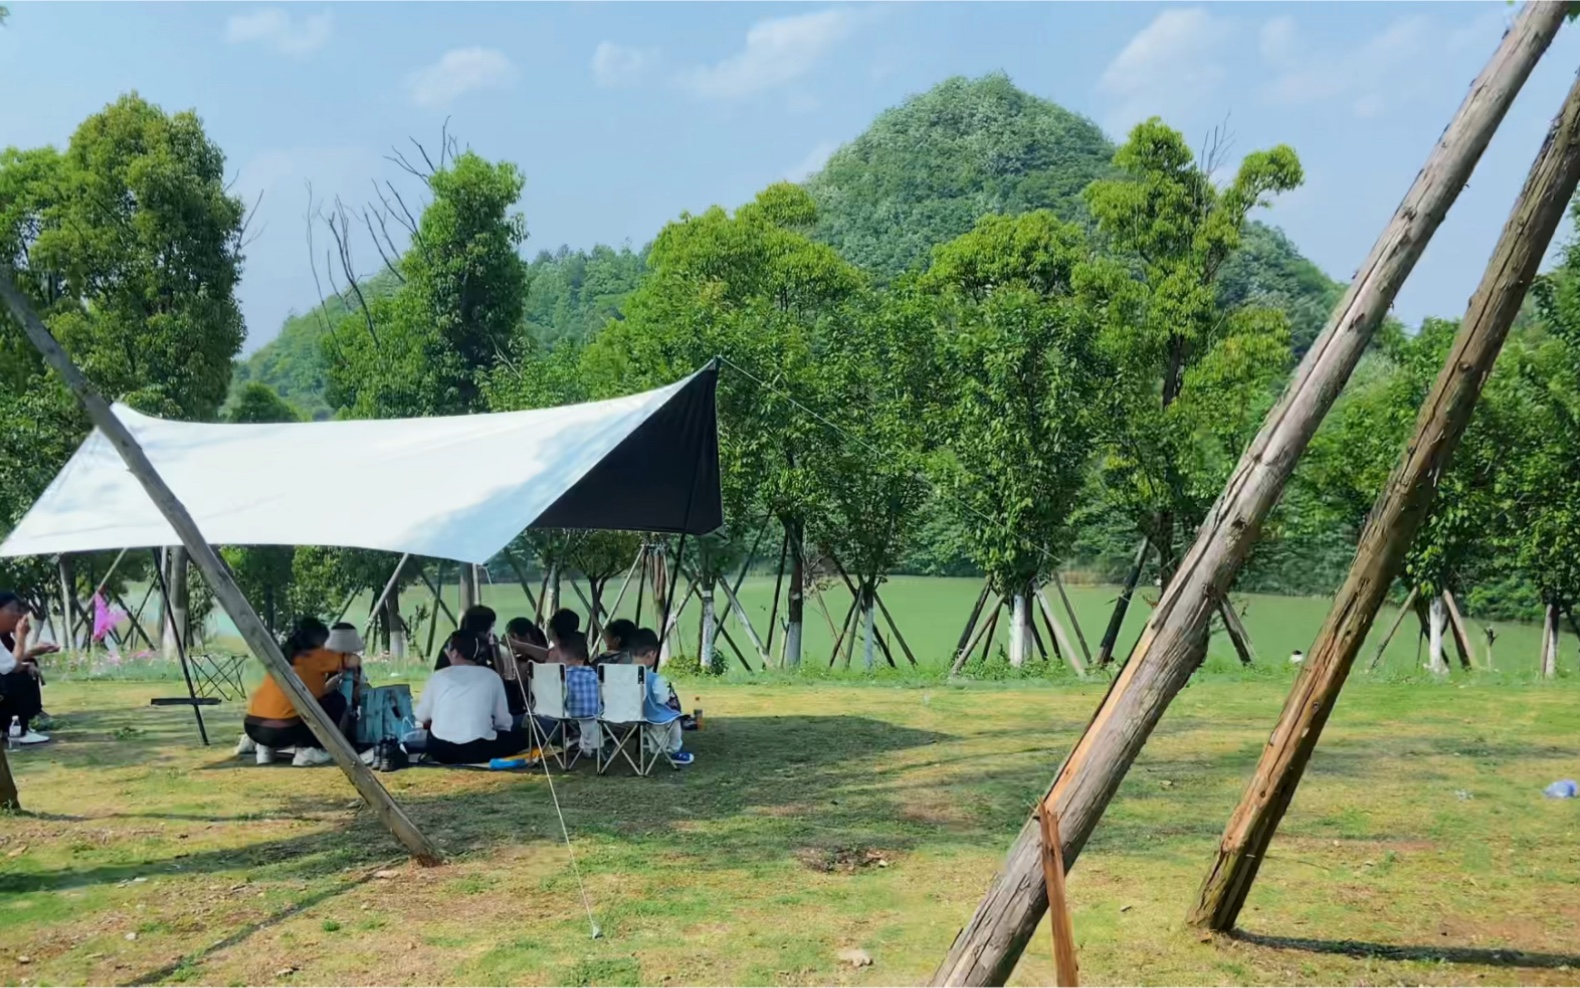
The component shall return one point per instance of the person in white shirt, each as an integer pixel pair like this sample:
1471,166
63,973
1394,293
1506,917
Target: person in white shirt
20,700
465,709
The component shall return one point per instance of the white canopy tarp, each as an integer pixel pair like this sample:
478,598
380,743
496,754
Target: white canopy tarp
458,487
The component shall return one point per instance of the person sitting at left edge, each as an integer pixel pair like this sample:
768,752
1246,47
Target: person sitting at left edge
464,708
20,699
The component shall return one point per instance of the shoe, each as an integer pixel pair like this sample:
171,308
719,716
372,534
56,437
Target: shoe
308,757
245,746
368,757
32,737
263,754
682,758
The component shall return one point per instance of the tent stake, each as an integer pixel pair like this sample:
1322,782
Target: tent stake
218,576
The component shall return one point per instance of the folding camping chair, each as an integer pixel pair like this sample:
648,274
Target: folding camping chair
624,688
547,693
218,676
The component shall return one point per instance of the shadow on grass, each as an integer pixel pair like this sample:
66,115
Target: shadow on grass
1487,956
768,786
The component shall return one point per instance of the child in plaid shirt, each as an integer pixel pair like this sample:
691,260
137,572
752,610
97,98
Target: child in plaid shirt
582,699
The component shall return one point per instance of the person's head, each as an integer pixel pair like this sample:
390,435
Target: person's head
643,646
343,638
12,608
467,648
479,620
617,634
573,648
309,633
521,631
564,622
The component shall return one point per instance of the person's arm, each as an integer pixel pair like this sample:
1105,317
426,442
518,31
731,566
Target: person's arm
8,661
501,706
424,712
537,652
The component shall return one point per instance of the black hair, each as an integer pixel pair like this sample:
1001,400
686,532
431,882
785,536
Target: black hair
309,634
342,626
564,622
620,630
9,597
522,629
478,619
642,640
470,645
573,644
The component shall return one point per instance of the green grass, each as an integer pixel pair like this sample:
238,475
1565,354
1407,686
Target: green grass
1419,849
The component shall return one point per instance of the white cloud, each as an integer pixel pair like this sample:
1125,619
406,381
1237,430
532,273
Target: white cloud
274,28
1170,67
1277,39
777,52
620,65
1369,77
459,71
813,162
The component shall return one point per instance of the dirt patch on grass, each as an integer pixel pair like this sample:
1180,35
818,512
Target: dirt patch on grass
843,860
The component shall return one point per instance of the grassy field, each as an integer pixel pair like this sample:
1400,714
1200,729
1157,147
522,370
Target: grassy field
818,817
932,611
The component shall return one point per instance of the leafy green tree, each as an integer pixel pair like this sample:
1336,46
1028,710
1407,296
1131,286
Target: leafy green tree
259,403
1191,379
263,572
753,288
1022,350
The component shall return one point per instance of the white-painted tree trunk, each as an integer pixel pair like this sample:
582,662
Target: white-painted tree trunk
1437,621
1019,630
396,628
869,616
553,596
1550,643
708,625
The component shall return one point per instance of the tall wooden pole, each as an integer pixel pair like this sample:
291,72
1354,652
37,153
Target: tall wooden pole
219,579
1396,518
1116,620
1173,643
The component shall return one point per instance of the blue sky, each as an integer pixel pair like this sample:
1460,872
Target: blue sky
624,115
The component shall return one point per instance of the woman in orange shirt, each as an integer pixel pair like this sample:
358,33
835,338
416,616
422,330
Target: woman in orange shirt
272,722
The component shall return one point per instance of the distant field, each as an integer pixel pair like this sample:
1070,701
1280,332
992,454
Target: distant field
818,817
931,612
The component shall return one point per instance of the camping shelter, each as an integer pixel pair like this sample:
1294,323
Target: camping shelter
453,487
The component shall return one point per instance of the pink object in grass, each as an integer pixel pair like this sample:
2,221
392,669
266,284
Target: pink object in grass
105,617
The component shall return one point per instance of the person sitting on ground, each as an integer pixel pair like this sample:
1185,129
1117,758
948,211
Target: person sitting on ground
617,641
662,729
561,623
583,698
464,709
521,634
477,620
20,698
272,723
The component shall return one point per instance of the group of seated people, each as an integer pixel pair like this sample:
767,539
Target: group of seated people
475,706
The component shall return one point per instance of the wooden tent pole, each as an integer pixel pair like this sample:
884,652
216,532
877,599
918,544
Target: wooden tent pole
773,609
1116,619
1170,647
219,579
1397,517
1236,631
1462,641
1057,630
1075,622
1404,612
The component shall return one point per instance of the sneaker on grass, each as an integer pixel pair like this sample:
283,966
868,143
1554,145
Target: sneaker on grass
32,737
307,757
245,746
682,757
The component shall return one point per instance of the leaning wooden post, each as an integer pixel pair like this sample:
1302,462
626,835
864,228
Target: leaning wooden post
219,579
1116,620
9,798
1075,622
1171,646
1396,518
1066,973
1237,633
1456,624
1404,612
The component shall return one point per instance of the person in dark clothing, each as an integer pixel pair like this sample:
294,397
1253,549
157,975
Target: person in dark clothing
20,698
617,641
475,620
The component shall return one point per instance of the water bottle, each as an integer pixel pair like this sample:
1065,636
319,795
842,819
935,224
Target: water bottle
696,713
14,734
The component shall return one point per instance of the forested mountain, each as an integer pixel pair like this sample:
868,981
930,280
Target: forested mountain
921,175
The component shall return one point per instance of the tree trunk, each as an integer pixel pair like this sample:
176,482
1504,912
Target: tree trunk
870,619
552,596
1550,641
396,627
1397,517
706,647
176,615
1404,611
68,606
1437,620
1019,629
1116,620
795,605
1238,637
1170,648
219,579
